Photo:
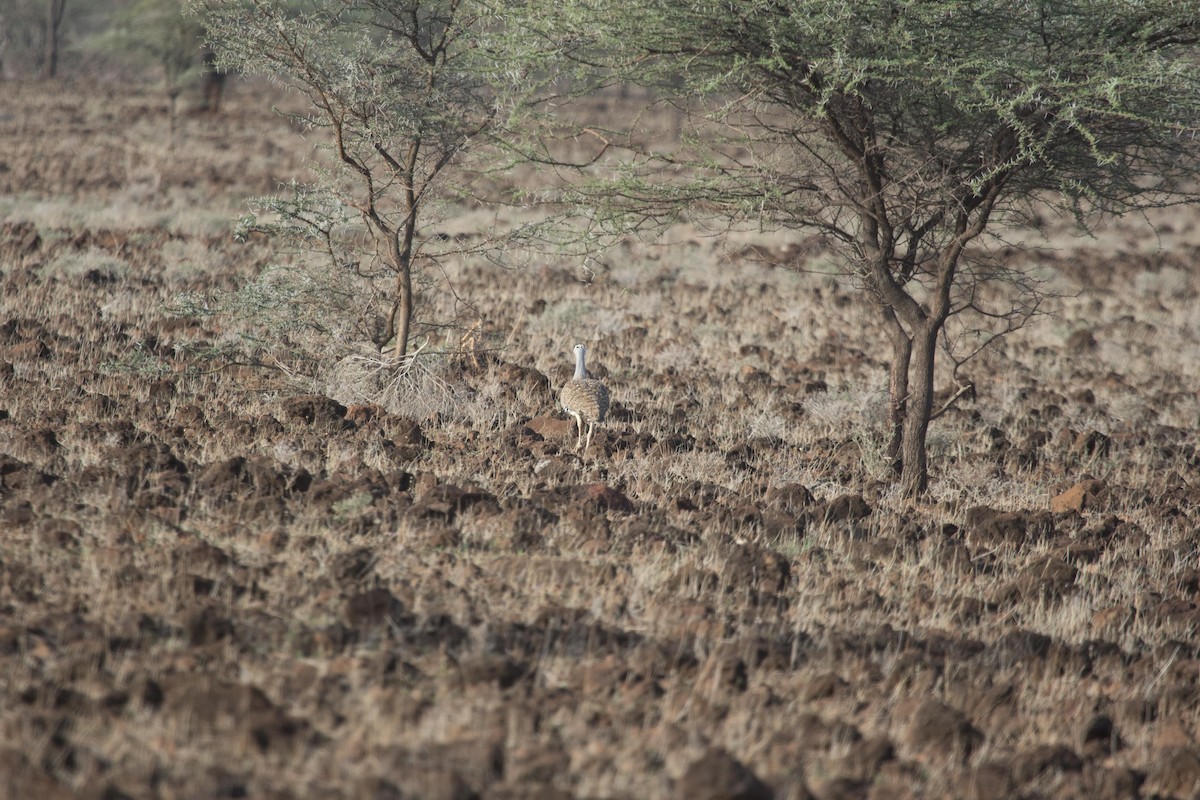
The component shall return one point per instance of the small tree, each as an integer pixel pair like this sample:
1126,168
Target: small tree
904,131
397,86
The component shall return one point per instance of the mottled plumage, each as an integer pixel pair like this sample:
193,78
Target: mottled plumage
585,399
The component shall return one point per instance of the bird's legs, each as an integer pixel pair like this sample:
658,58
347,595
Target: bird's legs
591,427
579,428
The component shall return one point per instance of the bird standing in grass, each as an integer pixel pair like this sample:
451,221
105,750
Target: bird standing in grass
585,399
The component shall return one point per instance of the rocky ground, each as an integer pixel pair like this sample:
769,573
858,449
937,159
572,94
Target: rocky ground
225,581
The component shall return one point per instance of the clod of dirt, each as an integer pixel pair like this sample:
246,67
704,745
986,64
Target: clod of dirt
17,474
446,501
551,427
516,379
846,508
790,498
937,732
372,607
205,626
719,776
1098,736
1175,772
989,780
602,498
1048,578
401,437
1028,766
1085,495
751,568
1019,648
988,528
316,410
241,477
1088,444
1080,342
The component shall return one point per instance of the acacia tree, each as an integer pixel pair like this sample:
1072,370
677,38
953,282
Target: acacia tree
905,131
397,86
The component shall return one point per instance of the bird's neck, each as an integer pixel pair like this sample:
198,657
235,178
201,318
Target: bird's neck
580,369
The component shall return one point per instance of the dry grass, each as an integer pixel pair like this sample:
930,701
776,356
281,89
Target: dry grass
215,588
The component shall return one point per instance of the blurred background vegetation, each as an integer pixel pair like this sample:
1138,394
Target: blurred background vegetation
151,40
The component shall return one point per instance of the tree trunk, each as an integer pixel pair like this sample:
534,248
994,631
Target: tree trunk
54,17
897,387
404,301
400,319
914,476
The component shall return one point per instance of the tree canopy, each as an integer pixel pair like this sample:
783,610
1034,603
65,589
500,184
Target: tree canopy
904,130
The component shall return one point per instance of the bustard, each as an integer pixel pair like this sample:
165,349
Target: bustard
585,399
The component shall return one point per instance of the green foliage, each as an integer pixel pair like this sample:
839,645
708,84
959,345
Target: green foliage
1095,101
158,34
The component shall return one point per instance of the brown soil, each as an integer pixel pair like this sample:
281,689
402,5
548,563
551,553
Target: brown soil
216,584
